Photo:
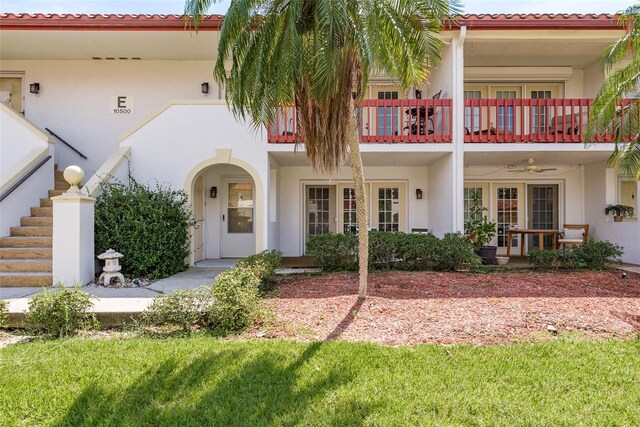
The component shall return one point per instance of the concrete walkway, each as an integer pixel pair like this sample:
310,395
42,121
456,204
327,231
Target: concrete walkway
117,305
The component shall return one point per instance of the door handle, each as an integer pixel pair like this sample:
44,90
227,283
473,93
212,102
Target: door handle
222,217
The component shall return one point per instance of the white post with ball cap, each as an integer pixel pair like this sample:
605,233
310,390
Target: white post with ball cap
73,238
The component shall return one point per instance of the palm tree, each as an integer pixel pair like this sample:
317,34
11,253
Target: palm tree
315,54
607,115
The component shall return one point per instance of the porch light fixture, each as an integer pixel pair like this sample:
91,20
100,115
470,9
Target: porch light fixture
419,193
205,87
213,192
34,88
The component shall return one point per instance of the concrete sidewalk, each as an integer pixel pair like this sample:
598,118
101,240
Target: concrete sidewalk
117,305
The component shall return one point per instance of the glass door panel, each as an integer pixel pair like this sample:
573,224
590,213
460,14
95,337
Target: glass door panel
347,212
508,214
320,210
240,207
543,212
389,209
387,115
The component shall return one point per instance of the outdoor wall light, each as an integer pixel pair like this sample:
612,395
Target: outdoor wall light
34,88
418,193
213,193
205,87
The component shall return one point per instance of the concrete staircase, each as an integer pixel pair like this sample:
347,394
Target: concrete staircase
25,256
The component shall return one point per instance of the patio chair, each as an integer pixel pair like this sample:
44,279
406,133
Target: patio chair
574,234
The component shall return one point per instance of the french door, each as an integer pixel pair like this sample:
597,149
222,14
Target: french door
333,208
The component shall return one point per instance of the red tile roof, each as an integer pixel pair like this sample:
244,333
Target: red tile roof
40,21
539,21
115,22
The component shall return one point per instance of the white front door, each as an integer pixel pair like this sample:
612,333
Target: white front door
238,218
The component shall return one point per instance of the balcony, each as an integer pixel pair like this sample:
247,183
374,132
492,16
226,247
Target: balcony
385,121
529,120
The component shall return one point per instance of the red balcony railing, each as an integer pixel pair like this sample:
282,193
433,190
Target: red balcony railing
385,121
529,120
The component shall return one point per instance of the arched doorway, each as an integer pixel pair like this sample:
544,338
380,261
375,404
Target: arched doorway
224,201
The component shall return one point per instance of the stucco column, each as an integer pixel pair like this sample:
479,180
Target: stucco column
73,236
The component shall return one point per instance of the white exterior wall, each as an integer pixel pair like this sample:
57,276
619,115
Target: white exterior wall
22,146
627,233
183,140
74,99
441,194
293,178
28,195
593,79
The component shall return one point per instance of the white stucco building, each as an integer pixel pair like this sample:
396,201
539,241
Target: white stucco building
126,92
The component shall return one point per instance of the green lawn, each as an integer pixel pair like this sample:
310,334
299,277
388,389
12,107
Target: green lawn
205,381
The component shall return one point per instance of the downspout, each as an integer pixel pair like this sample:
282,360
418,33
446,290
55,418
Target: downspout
458,135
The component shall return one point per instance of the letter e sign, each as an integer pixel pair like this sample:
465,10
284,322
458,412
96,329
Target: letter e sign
121,104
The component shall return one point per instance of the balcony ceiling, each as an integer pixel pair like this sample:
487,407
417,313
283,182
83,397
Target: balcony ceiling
396,159
533,53
519,156
78,44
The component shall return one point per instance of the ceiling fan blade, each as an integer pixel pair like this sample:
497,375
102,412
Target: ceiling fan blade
546,169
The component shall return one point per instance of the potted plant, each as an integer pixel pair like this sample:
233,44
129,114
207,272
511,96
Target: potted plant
618,211
479,230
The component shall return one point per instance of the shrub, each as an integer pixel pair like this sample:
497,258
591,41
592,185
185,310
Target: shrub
596,254
61,312
453,250
263,265
150,227
384,248
185,308
334,251
237,301
566,259
4,312
417,249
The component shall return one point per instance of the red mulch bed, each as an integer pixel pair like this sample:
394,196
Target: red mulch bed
457,308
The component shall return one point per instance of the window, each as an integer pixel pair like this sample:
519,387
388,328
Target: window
470,193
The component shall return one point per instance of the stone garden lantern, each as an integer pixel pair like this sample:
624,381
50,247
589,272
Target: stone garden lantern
111,267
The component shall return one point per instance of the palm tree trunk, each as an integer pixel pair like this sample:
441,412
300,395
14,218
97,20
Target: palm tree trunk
361,205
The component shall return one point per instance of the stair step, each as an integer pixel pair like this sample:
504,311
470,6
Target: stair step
25,253
25,265
25,242
53,193
41,211
11,280
36,221
46,203
31,231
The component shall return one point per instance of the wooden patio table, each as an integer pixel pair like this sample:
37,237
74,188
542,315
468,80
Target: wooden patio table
524,231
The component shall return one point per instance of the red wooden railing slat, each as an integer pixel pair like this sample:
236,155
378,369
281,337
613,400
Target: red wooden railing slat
400,120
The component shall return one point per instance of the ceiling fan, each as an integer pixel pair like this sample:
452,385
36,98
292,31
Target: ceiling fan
531,168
